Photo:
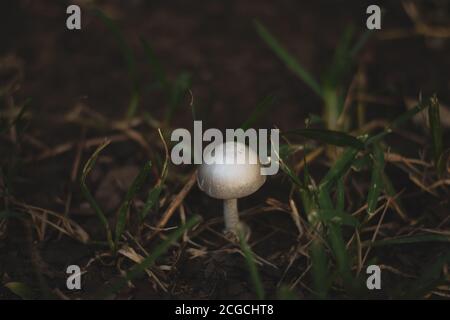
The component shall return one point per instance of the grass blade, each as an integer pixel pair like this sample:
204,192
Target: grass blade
436,134
309,197
376,184
332,137
90,198
20,289
123,210
342,62
261,108
155,65
153,195
392,192
335,235
339,168
287,58
254,274
291,174
285,293
338,217
308,201
151,201
340,195
361,42
340,251
400,120
319,267
178,89
403,118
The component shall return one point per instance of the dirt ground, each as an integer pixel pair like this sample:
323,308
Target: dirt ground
75,78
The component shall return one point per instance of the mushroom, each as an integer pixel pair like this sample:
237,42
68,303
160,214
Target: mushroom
236,175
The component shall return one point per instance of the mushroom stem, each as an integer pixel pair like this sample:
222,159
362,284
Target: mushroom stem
231,215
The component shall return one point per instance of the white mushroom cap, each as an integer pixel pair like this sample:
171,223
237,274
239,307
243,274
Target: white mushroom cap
237,176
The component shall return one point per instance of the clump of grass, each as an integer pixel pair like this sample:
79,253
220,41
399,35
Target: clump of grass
152,198
327,217
173,90
139,269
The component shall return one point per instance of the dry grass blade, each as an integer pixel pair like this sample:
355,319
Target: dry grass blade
176,202
129,252
69,227
149,261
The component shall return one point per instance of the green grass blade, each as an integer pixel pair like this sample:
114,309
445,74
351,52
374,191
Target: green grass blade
324,199
151,201
333,104
153,195
133,104
333,83
178,89
287,58
308,197
254,274
340,251
128,55
90,198
436,134
340,196
392,192
285,293
123,210
139,269
291,174
376,184
261,108
21,289
377,137
342,62
155,64
361,42
339,168
319,269
335,235
403,118
397,122
362,163
338,217
336,138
